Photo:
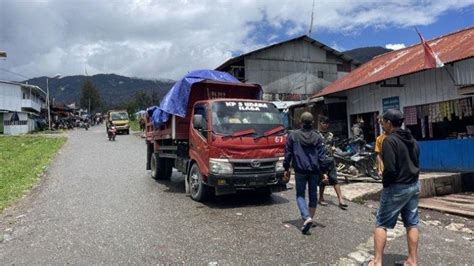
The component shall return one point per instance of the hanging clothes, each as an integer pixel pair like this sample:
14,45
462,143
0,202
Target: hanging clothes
423,128
430,129
410,116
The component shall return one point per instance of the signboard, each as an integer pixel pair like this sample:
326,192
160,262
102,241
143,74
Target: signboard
391,103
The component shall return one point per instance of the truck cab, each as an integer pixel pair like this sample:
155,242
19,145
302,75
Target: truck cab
236,144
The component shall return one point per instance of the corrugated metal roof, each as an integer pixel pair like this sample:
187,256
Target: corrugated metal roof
450,48
345,57
23,85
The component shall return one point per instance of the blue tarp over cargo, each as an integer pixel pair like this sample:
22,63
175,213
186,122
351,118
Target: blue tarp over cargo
176,100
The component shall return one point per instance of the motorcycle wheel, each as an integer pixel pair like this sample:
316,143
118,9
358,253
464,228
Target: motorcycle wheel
371,169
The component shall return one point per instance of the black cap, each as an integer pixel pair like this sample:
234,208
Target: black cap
393,115
323,119
306,118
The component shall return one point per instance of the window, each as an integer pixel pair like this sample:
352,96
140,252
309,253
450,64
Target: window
320,74
201,109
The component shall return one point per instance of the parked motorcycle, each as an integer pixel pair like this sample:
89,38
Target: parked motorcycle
111,133
354,157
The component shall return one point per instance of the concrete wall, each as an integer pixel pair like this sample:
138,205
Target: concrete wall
27,124
10,97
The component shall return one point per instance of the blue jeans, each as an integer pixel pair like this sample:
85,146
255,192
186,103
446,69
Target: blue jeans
396,199
301,180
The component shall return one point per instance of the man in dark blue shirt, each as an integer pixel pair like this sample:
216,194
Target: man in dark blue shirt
305,151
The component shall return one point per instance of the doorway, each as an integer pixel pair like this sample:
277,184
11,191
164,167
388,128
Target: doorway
370,127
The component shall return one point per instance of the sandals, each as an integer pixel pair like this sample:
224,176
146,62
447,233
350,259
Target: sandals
323,203
343,206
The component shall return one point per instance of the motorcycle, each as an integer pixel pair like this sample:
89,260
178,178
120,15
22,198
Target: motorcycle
84,124
111,132
354,157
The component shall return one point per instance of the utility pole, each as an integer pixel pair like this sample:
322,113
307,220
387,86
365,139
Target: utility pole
47,98
47,103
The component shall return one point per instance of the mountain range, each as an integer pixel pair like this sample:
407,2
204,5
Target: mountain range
366,54
114,90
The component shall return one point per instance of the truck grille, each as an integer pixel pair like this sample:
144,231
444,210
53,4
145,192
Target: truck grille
247,168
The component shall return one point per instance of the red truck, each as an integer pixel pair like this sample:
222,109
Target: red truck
228,140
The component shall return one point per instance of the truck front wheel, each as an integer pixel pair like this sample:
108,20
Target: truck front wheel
199,191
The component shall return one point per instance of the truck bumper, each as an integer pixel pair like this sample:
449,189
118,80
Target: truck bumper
229,184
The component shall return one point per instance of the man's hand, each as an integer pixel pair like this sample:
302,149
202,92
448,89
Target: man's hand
286,176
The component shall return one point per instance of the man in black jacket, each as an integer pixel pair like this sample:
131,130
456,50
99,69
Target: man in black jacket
401,188
305,151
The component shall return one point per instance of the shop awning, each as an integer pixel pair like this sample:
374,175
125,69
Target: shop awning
467,90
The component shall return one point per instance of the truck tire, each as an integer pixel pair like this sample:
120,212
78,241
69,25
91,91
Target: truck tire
149,152
198,190
154,166
161,168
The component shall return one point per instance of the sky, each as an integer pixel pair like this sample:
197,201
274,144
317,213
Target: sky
165,39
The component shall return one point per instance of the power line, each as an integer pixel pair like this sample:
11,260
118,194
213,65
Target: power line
11,72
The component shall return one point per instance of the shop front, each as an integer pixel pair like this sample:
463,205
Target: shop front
333,108
445,131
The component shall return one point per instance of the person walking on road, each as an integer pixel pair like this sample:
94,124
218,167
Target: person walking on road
304,150
330,177
401,187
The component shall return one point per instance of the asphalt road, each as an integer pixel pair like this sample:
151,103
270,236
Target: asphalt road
98,205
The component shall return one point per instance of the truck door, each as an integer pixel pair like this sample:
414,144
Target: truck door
198,148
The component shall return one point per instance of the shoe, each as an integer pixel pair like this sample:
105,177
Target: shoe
306,226
343,206
323,203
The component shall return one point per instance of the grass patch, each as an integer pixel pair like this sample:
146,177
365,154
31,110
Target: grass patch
23,159
134,125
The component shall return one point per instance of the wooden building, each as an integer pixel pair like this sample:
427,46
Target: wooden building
291,70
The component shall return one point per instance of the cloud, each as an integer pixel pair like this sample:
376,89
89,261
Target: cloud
168,38
395,46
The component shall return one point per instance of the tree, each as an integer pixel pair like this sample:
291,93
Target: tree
90,96
142,100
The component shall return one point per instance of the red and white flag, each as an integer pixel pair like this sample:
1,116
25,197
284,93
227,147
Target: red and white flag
431,58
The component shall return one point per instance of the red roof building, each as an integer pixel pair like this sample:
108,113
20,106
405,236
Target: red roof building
450,48
437,102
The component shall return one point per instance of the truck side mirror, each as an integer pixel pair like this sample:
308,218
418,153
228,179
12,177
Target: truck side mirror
197,122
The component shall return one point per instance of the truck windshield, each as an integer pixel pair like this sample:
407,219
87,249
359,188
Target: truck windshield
119,116
229,117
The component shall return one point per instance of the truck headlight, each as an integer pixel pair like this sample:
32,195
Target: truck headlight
220,166
279,165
